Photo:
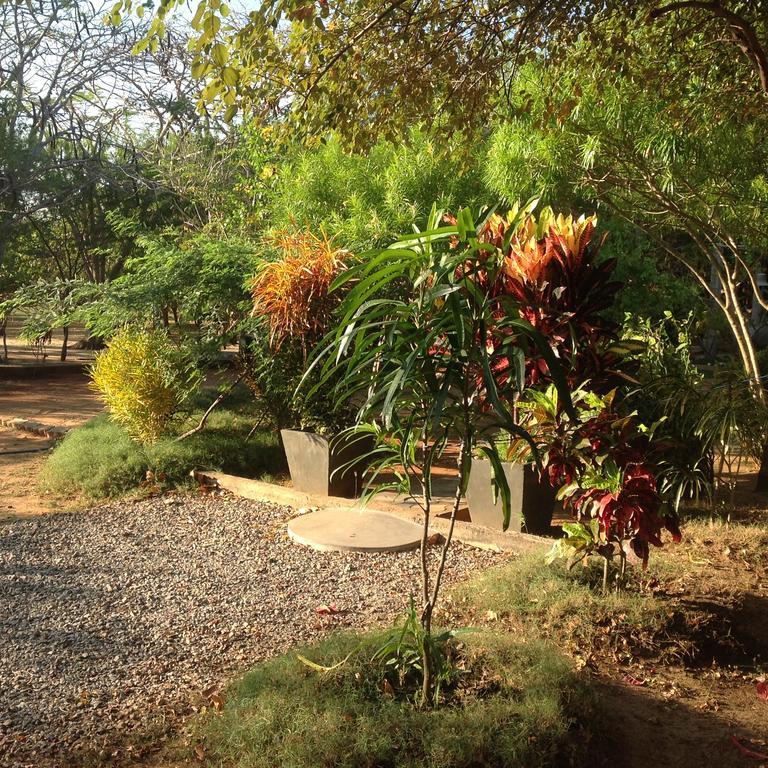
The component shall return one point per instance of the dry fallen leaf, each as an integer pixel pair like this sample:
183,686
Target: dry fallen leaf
327,610
746,751
217,701
200,752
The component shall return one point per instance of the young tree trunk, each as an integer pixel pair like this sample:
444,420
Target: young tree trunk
65,330
431,598
746,348
761,485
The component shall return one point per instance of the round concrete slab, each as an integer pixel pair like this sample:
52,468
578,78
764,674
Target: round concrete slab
345,529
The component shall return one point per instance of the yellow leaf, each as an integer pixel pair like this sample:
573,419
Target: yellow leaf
230,76
220,54
320,667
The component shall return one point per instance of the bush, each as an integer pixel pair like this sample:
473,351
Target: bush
100,460
143,379
513,706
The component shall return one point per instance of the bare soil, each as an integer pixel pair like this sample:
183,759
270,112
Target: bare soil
690,696
18,495
64,401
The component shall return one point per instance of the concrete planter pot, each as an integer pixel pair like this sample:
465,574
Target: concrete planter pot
532,500
319,466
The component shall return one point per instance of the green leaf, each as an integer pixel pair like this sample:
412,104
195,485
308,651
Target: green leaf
230,76
499,480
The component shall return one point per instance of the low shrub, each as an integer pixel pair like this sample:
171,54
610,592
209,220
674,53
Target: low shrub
513,705
100,460
144,380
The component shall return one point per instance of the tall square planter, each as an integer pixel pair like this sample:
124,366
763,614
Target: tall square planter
319,466
532,500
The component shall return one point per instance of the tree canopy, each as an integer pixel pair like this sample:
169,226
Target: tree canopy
369,69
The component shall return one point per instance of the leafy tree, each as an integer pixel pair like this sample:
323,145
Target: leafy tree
364,198
311,65
420,368
684,160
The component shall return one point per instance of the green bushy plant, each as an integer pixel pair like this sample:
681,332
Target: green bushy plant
364,199
517,709
144,379
705,419
100,460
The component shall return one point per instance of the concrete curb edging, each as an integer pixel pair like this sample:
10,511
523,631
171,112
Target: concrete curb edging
467,533
34,427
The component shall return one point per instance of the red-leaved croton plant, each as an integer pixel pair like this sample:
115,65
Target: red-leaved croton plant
552,277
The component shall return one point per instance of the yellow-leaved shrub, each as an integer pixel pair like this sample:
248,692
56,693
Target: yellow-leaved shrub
143,381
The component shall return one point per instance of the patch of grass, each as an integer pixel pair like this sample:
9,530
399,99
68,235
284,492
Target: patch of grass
99,460
514,705
549,600
738,542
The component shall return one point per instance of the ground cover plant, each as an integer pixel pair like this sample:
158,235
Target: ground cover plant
509,704
101,460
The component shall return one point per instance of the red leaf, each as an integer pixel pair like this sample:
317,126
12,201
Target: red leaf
762,690
746,751
633,680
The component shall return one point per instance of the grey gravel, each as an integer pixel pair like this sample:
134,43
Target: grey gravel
115,621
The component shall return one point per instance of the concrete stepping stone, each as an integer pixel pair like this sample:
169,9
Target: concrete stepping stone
347,529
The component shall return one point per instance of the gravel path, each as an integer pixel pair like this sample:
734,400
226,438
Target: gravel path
113,621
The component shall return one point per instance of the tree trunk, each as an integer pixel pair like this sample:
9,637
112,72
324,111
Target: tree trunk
761,485
65,330
426,660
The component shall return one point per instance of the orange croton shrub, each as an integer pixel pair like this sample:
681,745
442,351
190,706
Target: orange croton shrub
292,292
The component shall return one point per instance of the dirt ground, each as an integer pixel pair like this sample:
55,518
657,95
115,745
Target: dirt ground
694,695
21,457
63,401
